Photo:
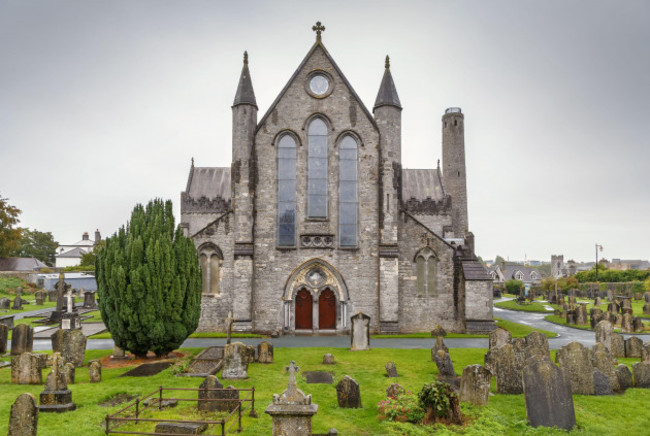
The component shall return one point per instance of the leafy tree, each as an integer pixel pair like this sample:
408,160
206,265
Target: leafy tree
149,282
499,260
9,235
548,283
88,259
40,245
513,286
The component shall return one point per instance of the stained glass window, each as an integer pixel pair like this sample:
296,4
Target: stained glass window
317,170
348,196
287,191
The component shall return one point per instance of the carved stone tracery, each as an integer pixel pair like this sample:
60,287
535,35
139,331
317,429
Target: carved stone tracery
317,241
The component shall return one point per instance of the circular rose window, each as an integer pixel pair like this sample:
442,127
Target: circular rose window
319,84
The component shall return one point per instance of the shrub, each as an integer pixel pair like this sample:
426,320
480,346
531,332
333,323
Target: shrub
437,396
513,286
404,407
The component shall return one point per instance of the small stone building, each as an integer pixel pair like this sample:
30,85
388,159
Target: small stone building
316,219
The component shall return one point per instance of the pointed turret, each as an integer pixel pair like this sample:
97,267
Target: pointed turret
245,93
387,95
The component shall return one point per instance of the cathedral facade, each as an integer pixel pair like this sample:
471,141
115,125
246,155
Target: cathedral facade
316,219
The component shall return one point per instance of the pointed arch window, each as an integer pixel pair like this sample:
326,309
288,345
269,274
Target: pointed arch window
348,195
426,272
317,170
287,191
210,259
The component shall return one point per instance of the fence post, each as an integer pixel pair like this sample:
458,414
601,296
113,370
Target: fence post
137,409
223,428
253,413
108,421
160,399
239,416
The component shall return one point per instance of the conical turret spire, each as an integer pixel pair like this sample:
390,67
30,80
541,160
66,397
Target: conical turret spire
245,93
387,95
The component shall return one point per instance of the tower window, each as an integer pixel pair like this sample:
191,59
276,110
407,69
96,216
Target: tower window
426,272
210,259
458,173
455,122
287,191
317,170
348,195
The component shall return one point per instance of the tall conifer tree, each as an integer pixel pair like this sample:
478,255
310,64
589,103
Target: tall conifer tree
149,282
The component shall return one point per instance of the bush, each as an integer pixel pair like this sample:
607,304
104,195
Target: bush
404,407
513,286
440,402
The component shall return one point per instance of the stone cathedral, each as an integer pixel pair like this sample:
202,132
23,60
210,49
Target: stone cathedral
316,219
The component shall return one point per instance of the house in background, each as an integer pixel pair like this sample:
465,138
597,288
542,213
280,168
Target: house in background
70,255
512,271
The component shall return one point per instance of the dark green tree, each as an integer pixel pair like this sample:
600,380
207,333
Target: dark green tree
9,235
149,282
88,259
513,286
40,245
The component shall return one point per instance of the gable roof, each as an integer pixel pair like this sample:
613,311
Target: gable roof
474,270
422,184
209,182
74,253
317,44
20,264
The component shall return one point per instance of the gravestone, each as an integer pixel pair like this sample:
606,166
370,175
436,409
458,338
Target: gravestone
360,334
444,364
646,308
23,418
438,331
645,353
18,304
70,319
210,382
68,371
581,314
71,344
89,300
26,369
235,361
499,337
604,330
575,360
633,347
595,316
626,323
22,339
488,362
626,306
536,345
177,428
624,377
602,384
570,317
5,303
328,359
638,296
475,385
613,307
348,393
637,325
439,345
318,377
597,301
394,390
40,297
56,397
547,392
95,371
646,297
118,353
603,360
292,410
4,334
641,372
265,352
618,345
509,365
391,369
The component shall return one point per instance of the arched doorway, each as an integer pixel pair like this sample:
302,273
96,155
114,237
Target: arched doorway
327,310
304,310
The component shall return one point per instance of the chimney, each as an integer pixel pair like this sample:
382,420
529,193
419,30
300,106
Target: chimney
98,236
85,236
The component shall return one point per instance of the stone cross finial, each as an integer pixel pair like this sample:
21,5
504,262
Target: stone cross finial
246,58
387,62
292,386
318,28
70,301
229,322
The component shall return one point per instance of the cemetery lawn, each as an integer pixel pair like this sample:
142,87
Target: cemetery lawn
562,321
526,307
624,414
521,330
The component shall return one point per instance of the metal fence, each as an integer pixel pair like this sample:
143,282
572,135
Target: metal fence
156,399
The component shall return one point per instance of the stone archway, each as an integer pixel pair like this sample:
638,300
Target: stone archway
304,310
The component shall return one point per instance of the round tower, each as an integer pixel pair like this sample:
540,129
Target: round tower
453,168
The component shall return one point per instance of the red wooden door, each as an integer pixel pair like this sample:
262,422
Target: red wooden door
304,310
327,310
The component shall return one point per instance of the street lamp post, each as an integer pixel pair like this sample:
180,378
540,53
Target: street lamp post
598,247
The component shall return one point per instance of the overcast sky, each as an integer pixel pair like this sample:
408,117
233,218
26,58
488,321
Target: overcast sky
103,104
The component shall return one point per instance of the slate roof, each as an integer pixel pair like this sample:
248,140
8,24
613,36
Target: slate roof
422,184
74,253
209,182
474,270
20,264
509,271
387,95
245,93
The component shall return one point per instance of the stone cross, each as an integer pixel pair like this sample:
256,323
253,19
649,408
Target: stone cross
292,368
70,299
60,287
318,28
229,322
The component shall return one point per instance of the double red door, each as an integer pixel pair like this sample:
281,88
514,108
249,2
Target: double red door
326,310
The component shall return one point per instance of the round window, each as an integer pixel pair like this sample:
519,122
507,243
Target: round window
319,84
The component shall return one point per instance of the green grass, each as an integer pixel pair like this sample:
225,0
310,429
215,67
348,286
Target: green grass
562,321
521,330
526,307
420,335
506,414
217,335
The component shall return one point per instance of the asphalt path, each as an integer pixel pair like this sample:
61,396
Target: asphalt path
532,319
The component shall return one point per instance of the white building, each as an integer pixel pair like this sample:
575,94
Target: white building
70,255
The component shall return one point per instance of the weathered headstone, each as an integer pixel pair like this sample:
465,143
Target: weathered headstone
604,331
439,345
602,384
646,297
360,333
23,418
56,397
89,300
5,303
391,369
118,353
40,297
438,331
547,392
318,377
641,372
646,308
444,364
499,337
26,369
95,371
645,353
575,360
71,344
637,325
581,314
597,301
394,390
348,393
22,339
68,371
624,377
595,316
250,354
177,428
4,333
475,385
265,352
626,323
618,345
536,345
509,366
235,361
292,410
633,347
18,304
205,393
603,360
328,359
